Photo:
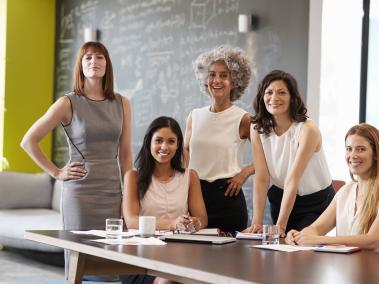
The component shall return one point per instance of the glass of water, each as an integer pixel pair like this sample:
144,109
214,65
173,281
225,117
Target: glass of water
270,235
113,228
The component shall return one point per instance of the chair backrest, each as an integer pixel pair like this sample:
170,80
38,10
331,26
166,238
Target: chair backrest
337,184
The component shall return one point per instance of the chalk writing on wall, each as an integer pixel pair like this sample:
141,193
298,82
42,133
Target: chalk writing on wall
152,45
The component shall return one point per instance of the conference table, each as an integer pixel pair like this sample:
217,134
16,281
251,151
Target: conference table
235,262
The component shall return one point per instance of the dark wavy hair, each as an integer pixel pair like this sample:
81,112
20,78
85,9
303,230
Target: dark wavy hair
144,162
79,78
263,120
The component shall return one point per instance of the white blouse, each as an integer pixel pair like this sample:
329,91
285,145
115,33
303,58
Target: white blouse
280,152
347,221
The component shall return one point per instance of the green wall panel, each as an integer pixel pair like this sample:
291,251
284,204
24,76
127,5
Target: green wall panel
29,71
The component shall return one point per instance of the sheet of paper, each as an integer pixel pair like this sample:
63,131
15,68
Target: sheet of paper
129,233
286,248
249,236
102,233
135,232
132,241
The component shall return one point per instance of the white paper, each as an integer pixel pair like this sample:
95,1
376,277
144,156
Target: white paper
132,241
286,248
102,233
135,232
249,236
129,233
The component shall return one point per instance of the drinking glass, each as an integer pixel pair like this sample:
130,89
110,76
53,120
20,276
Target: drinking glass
270,235
113,228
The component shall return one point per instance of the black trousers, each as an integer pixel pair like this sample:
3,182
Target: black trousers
306,210
137,279
228,213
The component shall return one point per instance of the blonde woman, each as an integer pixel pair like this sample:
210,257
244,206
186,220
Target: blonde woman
354,209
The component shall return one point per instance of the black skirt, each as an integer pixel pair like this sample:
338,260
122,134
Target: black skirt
306,210
228,213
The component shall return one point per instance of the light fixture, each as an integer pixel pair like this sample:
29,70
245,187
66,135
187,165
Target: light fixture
247,23
90,34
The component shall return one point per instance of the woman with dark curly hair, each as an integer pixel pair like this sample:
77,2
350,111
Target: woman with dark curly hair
287,150
216,136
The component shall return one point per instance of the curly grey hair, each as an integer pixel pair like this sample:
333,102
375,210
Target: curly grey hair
236,61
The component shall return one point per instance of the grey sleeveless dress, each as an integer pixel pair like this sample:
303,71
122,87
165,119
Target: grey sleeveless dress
93,136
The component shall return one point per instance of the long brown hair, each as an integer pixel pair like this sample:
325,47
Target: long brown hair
78,82
370,204
263,120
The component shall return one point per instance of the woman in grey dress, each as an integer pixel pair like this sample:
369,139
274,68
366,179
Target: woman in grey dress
97,124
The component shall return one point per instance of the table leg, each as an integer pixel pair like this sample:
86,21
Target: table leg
76,267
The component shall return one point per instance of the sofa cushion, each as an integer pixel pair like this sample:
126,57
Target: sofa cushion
14,222
23,190
57,195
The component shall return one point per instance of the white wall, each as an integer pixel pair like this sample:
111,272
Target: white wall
314,59
372,105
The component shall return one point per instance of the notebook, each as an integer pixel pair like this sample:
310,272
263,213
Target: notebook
198,239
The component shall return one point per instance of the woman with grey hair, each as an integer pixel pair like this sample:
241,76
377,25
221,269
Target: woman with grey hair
216,136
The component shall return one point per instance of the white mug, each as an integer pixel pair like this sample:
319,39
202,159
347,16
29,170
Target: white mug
147,225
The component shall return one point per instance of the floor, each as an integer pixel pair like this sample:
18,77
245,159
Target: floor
15,268
19,269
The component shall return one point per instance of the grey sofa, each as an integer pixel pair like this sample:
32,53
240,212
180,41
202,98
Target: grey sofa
28,202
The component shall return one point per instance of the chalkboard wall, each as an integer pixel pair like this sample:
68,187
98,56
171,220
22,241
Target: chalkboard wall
153,43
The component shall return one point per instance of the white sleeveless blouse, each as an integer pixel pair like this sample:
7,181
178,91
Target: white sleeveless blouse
347,221
216,149
280,152
167,199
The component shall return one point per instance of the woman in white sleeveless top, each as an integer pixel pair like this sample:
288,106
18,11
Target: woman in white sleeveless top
216,136
354,210
287,150
160,186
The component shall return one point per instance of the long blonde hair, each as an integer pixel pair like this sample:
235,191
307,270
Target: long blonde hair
371,201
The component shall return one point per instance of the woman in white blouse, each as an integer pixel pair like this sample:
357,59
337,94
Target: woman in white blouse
290,164
354,209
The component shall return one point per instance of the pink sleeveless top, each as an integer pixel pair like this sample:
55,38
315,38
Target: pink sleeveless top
166,199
